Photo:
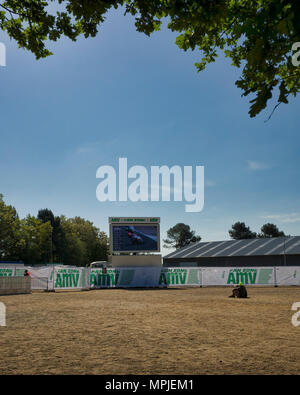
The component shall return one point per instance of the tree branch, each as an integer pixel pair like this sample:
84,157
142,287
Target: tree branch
10,11
278,104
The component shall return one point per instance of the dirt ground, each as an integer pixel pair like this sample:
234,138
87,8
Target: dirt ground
171,331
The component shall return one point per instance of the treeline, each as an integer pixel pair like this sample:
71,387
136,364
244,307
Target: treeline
239,230
181,235
48,238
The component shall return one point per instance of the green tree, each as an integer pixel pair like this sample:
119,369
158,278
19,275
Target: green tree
179,236
101,250
257,35
57,237
74,241
74,251
10,236
36,237
91,243
270,230
240,231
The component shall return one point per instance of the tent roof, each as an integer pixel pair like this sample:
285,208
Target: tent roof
245,247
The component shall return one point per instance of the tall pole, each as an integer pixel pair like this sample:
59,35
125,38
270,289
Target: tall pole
284,256
51,250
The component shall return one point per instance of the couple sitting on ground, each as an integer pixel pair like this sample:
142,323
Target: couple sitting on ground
239,291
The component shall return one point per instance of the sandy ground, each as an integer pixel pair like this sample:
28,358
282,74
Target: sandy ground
172,331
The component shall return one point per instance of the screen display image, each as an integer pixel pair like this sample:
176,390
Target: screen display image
135,238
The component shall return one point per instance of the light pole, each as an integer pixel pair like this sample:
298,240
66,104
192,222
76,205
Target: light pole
284,256
51,248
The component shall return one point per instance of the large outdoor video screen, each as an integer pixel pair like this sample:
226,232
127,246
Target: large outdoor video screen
129,238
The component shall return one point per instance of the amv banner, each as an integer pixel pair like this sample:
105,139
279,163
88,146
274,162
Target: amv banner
233,276
66,278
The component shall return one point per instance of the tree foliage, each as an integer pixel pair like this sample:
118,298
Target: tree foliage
240,231
257,35
36,240
46,238
271,230
179,236
10,238
57,236
90,243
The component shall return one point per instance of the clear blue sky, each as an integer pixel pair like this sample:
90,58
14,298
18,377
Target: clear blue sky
123,94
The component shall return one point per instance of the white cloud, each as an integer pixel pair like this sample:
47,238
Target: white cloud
255,165
286,218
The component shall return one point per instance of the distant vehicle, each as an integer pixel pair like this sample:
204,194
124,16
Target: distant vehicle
129,228
101,264
136,239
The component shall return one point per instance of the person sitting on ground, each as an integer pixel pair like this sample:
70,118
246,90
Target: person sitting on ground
26,273
239,291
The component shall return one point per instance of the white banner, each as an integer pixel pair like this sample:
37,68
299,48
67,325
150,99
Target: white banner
66,277
7,271
72,277
233,276
42,276
11,270
288,275
180,276
99,279
145,277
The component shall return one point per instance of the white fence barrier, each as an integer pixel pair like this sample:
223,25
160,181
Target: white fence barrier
40,283
10,285
71,277
11,270
183,277
67,277
287,275
232,276
194,276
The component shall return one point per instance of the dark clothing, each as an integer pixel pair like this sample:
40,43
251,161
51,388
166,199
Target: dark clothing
243,291
239,292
